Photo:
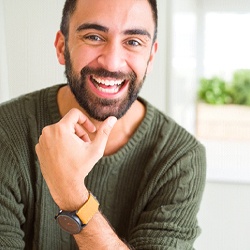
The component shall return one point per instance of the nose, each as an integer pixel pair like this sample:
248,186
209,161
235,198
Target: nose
112,57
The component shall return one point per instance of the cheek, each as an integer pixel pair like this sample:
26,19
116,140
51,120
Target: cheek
139,64
82,57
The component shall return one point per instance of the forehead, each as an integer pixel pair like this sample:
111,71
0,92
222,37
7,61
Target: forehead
117,15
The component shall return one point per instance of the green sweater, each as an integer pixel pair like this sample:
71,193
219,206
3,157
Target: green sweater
150,190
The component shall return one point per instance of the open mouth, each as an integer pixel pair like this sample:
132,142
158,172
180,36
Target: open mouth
109,86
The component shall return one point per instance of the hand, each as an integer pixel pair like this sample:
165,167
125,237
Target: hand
67,155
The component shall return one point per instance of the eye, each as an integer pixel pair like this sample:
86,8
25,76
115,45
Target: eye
93,38
133,43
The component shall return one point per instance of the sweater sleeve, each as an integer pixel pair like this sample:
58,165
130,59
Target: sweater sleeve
168,219
11,208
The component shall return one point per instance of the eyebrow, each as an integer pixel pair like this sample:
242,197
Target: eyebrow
142,32
102,28
87,26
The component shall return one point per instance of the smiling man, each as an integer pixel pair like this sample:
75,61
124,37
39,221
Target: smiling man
107,56
113,171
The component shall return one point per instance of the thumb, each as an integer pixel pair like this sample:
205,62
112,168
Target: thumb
104,132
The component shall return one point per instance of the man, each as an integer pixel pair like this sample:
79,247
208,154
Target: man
116,172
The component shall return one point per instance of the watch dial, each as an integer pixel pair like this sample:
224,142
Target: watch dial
68,224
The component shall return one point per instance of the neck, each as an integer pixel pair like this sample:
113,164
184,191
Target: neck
123,129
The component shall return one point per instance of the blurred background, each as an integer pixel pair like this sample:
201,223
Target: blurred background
201,78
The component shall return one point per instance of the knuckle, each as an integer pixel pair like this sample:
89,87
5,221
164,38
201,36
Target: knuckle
45,130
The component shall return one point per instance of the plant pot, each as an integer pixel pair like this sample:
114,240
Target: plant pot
223,122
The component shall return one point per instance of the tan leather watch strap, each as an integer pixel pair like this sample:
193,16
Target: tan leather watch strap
88,210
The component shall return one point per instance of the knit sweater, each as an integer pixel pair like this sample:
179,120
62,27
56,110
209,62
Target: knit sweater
149,191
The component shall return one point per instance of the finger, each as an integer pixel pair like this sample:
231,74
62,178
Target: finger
104,132
37,148
81,133
75,116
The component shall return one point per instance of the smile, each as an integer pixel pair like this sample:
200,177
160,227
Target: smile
107,86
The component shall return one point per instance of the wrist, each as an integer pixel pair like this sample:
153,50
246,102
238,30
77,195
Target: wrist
75,200
74,221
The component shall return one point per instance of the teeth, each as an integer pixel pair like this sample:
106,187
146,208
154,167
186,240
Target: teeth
110,91
108,82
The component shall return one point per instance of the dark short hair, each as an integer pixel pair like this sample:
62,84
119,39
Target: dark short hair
70,7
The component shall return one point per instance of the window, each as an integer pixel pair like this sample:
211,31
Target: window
210,38
227,43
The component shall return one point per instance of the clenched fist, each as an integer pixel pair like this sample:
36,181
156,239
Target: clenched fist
67,154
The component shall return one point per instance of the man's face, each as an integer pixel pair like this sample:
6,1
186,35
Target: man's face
107,55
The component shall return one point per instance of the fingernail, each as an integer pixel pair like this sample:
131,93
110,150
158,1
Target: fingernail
112,120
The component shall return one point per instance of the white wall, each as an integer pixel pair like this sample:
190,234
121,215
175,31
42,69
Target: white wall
4,89
225,217
30,28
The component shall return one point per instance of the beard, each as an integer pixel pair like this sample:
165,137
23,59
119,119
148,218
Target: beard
101,108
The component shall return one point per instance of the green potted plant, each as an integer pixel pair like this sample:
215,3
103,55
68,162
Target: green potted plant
240,88
214,91
223,108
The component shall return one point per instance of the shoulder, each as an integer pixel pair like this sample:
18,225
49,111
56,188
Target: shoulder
16,112
167,133
175,157
23,118
172,150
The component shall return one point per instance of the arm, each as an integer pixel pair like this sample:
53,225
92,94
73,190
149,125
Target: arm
99,235
11,207
66,156
166,217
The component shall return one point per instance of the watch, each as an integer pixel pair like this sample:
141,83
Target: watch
74,221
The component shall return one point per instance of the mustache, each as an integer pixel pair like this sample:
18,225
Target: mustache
100,72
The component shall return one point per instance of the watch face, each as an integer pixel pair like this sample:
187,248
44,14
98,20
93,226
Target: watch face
69,223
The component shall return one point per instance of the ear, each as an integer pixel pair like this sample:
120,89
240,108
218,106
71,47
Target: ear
60,47
152,56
